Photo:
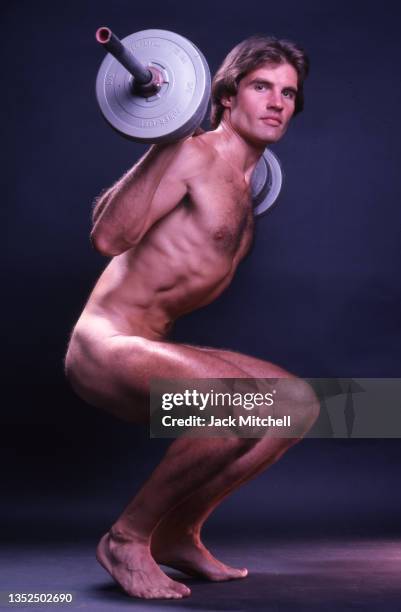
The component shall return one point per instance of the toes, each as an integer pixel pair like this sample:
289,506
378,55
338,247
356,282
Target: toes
170,594
228,573
162,594
182,589
178,589
236,573
158,594
240,572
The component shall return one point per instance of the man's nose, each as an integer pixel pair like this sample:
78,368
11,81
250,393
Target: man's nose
274,100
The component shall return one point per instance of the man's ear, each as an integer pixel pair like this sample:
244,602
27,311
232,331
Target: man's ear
226,101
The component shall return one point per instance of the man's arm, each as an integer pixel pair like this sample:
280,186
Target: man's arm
125,212
99,203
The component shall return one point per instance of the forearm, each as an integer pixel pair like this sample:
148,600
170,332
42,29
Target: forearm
120,213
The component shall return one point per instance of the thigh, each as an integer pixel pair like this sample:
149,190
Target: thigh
294,395
113,372
135,361
254,367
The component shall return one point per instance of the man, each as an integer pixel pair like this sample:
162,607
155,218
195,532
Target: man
176,226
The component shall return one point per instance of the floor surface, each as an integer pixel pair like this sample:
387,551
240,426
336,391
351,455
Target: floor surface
298,575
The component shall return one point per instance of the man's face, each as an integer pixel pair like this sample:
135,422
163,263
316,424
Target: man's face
264,103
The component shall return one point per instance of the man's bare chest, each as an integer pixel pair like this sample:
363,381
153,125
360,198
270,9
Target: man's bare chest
223,213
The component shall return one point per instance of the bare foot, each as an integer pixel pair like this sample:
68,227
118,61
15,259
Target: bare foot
132,566
188,554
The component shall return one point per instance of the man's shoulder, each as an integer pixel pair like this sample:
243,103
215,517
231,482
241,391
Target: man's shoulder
201,146
195,155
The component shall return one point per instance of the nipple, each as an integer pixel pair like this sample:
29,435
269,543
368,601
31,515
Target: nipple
219,234
223,237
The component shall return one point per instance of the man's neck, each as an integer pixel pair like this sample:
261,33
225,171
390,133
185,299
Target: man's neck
238,152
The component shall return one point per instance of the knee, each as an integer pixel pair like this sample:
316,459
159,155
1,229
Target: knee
300,401
309,403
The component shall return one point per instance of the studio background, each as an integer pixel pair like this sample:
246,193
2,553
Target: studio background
319,293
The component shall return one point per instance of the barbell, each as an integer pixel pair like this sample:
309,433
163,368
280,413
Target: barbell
154,86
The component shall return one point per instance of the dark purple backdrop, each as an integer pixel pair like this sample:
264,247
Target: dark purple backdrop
320,293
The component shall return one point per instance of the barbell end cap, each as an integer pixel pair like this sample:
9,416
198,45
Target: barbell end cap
103,35
109,41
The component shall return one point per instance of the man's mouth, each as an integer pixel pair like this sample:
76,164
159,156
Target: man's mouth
270,120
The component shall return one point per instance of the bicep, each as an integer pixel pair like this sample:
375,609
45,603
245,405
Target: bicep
174,183
169,193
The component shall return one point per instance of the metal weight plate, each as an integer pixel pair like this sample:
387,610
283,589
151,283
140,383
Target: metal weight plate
266,182
180,105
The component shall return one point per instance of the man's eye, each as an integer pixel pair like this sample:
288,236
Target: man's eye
259,86
289,94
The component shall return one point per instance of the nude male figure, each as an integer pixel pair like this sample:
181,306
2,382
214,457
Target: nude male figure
176,226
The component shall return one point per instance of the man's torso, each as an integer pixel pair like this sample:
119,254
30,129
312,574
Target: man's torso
185,260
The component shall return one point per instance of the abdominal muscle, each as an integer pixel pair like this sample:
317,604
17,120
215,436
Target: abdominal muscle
180,265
